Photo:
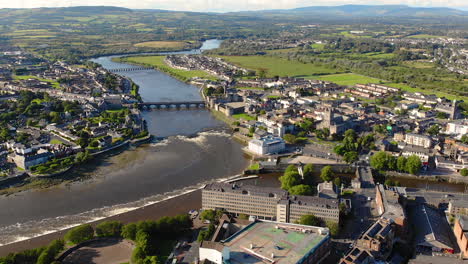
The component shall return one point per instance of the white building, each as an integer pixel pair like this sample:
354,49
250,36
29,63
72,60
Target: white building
458,129
267,145
418,140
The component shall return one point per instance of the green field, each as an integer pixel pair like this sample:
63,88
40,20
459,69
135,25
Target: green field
158,63
243,116
346,78
55,141
318,46
422,36
162,44
275,66
54,84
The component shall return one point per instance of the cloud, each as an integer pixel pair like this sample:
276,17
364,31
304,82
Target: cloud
222,5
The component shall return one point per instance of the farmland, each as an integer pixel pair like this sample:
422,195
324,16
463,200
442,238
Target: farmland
162,44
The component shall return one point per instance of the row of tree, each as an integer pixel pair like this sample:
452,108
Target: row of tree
384,161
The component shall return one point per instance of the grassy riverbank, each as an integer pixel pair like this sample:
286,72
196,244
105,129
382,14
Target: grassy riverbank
158,63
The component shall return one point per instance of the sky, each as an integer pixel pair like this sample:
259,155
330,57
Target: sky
224,5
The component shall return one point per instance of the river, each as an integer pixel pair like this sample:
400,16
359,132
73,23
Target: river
196,150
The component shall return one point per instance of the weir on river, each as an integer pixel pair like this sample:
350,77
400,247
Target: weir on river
194,152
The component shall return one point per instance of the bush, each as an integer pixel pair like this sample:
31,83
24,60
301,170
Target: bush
209,215
206,234
310,220
109,229
129,231
334,227
80,234
48,255
464,172
301,189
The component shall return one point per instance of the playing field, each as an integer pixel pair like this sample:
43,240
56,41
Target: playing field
275,66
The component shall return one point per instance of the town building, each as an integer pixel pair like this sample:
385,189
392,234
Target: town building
418,140
458,207
389,206
432,233
267,203
270,242
267,145
27,161
375,243
457,128
378,239
460,229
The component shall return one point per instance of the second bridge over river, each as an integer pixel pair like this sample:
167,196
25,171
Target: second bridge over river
172,105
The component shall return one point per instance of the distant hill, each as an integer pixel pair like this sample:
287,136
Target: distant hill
356,11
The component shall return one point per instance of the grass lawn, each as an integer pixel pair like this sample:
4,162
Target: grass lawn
158,62
55,141
278,66
162,44
255,166
243,116
274,96
346,78
318,46
54,84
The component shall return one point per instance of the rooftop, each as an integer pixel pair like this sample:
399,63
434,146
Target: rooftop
247,190
278,242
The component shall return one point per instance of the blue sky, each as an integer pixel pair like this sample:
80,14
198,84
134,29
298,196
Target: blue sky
225,5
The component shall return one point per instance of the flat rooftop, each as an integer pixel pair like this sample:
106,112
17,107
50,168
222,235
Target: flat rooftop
286,241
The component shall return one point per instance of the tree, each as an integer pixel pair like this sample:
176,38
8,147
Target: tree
389,182
262,72
82,157
379,160
291,139
53,249
80,234
334,227
300,189
129,231
413,164
326,173
464,139
433,130
310,220
350,157
464,172
441,115
109,229
337,182
401,163
209,215
289,180
290,168
308,172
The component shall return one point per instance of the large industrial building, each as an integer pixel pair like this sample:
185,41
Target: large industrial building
267,203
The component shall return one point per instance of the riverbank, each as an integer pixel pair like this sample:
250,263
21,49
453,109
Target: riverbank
170,207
